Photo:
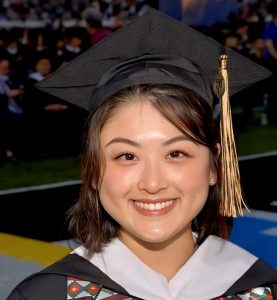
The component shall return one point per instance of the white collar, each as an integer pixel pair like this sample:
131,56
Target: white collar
209,272
4,77
72,49
36,76
12,51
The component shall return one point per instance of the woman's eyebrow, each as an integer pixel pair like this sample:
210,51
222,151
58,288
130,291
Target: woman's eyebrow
133,143
176,139
123,140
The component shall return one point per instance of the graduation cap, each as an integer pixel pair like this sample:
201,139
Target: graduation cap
156,49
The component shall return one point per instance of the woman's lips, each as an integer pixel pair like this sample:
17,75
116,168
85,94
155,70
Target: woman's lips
155,208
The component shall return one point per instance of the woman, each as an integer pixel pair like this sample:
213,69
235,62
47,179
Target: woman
159,187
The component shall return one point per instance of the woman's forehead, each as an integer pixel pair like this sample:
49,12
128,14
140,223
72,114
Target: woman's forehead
139,120
135,110
131,106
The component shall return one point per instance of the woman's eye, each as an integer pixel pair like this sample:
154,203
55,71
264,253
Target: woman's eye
176,154
127,156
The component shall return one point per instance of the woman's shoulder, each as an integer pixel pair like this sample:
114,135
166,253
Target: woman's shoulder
50,282
258,282
259,275
51,286
63,278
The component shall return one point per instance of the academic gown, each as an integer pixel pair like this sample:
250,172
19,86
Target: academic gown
217,270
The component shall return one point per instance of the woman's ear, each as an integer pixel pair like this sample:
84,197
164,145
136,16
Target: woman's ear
213,178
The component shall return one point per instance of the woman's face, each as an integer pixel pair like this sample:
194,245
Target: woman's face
156,180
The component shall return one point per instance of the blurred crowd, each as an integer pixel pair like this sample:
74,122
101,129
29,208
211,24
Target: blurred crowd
34,125
113,13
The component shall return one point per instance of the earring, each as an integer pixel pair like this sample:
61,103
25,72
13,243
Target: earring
212,181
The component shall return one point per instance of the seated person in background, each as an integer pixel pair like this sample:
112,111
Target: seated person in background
42,68
233,40
270,34
45,113
96,31
270,54
18,55
74,43
11,112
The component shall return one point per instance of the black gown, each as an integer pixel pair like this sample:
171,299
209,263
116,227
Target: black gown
73,275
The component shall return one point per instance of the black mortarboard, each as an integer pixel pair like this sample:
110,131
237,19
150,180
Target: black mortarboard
154,48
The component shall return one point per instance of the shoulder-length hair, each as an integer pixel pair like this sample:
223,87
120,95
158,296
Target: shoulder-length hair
89,223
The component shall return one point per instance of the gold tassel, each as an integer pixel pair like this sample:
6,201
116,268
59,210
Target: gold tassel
231,195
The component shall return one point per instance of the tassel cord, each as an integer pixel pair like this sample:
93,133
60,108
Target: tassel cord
232,200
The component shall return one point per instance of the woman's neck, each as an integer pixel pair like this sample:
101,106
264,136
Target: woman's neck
165,258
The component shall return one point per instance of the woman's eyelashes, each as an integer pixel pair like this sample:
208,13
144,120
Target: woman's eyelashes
129,156
126,156
178,155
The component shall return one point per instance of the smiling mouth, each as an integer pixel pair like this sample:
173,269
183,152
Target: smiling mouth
154,206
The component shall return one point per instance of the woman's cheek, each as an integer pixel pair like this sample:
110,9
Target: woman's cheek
119,178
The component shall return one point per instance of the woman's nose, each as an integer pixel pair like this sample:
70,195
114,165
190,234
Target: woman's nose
152,177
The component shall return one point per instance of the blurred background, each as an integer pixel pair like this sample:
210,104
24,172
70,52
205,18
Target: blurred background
40,136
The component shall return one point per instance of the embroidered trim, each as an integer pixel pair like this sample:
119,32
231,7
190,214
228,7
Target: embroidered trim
85,290
77,288
260,293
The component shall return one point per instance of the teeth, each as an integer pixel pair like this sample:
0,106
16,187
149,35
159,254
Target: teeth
154,206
